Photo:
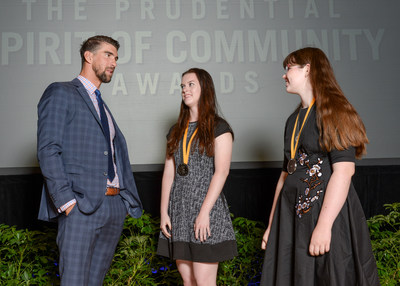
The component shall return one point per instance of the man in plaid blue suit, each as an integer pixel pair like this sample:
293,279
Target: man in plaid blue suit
89,186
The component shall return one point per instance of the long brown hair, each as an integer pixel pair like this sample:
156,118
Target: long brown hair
339,124
208,115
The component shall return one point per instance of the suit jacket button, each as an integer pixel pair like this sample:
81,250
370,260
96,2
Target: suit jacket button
105,153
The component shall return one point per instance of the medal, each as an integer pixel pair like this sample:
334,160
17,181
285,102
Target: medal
183,168
292,165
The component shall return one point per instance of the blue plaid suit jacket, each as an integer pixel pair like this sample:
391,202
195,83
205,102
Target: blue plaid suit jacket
71,147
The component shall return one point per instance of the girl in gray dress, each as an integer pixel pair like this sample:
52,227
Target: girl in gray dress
196,229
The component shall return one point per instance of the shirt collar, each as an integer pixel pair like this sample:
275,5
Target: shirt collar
89,86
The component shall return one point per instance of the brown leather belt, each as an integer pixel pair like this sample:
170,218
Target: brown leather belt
112,191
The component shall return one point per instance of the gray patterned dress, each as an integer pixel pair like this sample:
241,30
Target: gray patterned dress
186,198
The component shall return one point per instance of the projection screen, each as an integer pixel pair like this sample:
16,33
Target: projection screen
240,42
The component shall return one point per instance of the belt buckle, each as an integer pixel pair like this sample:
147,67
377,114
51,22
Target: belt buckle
112,191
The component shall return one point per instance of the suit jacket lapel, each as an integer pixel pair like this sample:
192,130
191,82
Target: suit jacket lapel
112,117
116,129
82,91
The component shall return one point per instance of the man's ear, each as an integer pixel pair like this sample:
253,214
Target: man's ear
88,57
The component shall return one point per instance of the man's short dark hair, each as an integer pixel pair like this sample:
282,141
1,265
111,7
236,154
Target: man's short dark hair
93,43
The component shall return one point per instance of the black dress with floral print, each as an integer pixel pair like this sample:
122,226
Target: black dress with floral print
350,260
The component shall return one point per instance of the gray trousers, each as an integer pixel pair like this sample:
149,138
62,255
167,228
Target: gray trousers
87,242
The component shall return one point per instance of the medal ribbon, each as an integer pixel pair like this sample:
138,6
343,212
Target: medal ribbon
186,149
293,148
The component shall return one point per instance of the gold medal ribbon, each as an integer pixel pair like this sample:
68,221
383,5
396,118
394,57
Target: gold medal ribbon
186,149
293,148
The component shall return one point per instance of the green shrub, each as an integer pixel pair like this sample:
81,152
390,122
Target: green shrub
245,267
135,261
27,257
30,257
385,239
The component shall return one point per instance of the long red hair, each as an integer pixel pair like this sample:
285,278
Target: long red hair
339,124
208,115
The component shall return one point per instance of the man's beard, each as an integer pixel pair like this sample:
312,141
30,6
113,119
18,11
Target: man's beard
102,76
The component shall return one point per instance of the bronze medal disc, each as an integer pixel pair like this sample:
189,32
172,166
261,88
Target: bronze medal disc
291,166
183,169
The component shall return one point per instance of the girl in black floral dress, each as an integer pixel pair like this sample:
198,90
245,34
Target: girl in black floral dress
317,232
